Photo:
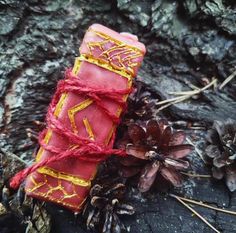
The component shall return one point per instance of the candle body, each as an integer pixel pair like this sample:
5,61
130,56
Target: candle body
108,60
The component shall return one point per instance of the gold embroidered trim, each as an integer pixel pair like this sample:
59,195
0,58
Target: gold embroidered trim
63,176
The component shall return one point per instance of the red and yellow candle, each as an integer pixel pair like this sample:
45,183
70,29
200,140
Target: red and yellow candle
108,60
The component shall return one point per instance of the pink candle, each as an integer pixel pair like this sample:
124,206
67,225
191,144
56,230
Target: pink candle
108,60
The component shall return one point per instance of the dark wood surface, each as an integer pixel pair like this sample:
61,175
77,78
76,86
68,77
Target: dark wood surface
187,41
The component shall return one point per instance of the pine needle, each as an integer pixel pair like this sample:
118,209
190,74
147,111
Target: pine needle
196,149
195,212
183,95
7,153
227,80
196,175
171,102
205,205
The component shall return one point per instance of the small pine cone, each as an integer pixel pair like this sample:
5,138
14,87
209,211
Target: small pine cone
141,104
221,151
104,206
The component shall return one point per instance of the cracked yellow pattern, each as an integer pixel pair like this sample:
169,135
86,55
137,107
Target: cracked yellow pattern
50,190
36,184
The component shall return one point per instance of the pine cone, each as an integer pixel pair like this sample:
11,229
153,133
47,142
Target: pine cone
154,148
20,213
221,151
140,104
104,207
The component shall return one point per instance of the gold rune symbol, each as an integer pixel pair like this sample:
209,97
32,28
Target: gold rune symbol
115,52
75,109
88,128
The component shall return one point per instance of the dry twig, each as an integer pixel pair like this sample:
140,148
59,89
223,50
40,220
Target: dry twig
183,95
7,153
227,80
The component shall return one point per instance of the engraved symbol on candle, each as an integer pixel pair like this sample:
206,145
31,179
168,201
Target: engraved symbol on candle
72,112
58,188
88,128
116,53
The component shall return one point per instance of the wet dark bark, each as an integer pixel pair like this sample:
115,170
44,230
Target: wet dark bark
188,41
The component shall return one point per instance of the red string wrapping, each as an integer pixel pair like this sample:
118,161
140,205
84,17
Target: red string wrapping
86,149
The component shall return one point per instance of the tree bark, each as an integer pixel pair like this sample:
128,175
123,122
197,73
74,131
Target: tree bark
189,42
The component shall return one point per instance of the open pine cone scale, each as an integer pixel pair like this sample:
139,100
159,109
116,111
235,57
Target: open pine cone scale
153,148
